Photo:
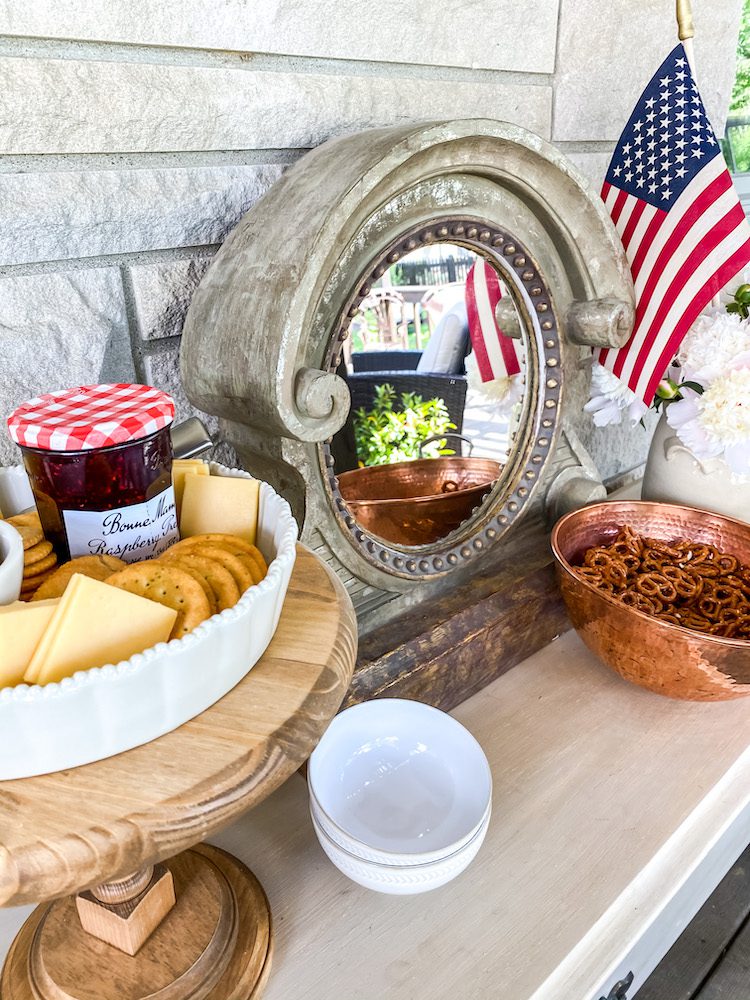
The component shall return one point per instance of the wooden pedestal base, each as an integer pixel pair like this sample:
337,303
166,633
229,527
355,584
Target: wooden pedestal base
215,943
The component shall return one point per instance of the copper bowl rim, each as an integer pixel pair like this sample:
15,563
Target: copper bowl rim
424,499
387,501
564,565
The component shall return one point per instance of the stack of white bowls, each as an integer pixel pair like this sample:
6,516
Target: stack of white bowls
400,796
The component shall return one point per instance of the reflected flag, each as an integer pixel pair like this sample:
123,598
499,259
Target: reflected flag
495,353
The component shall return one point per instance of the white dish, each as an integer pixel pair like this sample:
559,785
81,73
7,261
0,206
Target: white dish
98,713
11,563
366,853
401,778
15,490
402,880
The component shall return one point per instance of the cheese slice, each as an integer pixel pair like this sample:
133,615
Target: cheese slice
182,467
21,627
95,624
223,504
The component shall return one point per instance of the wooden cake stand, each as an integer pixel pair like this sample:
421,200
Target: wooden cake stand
148,921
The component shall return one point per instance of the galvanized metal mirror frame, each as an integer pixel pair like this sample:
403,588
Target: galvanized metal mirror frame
265,325
538,428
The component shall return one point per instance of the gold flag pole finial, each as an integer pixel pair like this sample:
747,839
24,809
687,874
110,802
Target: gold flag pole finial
685,26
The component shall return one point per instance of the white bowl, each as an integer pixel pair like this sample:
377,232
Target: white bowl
365,853
400,778
11,563
101,712
402,880
15,490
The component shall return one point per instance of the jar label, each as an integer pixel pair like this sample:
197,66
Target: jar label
138,531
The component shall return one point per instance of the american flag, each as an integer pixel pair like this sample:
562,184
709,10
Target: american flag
495,353
673,203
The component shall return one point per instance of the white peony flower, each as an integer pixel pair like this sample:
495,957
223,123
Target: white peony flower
610,398
717,423
713,345
725,407
684,418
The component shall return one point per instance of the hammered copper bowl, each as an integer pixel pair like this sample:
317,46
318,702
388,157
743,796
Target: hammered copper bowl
417,503
665,658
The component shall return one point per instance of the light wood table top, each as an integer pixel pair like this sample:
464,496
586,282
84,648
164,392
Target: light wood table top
609,803
63,832
615,814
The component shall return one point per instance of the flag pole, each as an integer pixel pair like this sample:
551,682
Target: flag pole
686,30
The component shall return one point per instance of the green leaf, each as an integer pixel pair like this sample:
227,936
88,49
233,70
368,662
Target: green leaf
695,386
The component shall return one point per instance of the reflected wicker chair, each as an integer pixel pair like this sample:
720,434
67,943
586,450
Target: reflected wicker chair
450,388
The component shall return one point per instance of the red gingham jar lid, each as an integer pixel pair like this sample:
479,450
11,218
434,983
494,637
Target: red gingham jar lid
90,416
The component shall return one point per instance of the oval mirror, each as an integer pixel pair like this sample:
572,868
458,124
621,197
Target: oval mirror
435,361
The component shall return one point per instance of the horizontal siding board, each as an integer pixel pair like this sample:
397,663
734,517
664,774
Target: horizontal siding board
602,68
77,106
67,214
469,33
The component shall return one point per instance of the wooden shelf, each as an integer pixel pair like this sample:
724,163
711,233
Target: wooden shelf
616,812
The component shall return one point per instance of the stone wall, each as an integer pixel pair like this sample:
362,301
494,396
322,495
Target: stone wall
134,135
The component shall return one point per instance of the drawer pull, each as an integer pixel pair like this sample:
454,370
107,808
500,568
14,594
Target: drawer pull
620,990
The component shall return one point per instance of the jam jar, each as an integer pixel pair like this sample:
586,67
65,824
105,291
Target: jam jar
99,458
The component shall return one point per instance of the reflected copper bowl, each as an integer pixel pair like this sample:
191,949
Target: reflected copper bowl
665,658
416,503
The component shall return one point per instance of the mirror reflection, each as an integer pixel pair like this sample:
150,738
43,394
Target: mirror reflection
435,364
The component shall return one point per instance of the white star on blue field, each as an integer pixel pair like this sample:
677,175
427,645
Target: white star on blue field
668,138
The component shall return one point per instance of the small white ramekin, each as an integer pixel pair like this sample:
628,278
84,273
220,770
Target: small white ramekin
11,563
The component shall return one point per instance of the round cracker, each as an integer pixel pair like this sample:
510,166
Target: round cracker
29,528
30,587
246,553
97,567
42,566
232,543
36,553
205,586
219,579
240,573
249,563
168,585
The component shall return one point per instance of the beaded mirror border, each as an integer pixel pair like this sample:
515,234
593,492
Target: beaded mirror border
535,438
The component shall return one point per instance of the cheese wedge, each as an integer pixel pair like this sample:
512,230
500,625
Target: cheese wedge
182,467
221,504
21,627
95,624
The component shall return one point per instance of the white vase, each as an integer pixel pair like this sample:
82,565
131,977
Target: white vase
674,475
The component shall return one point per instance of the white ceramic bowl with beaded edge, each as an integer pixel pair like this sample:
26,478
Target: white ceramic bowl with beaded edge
101,712
398,782
402,880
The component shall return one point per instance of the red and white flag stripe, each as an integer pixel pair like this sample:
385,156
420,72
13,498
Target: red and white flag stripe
496,354
682,226
679,260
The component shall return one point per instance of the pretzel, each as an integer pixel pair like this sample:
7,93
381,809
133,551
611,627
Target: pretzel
635,599
693,585
655,585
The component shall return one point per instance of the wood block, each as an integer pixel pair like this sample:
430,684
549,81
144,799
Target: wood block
469,638
129,924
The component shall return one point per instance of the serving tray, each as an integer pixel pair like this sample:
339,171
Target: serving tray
101,712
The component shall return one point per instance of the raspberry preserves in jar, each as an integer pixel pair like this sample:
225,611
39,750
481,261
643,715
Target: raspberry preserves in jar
100,463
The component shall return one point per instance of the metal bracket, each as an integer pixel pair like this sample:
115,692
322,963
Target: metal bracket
620,990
